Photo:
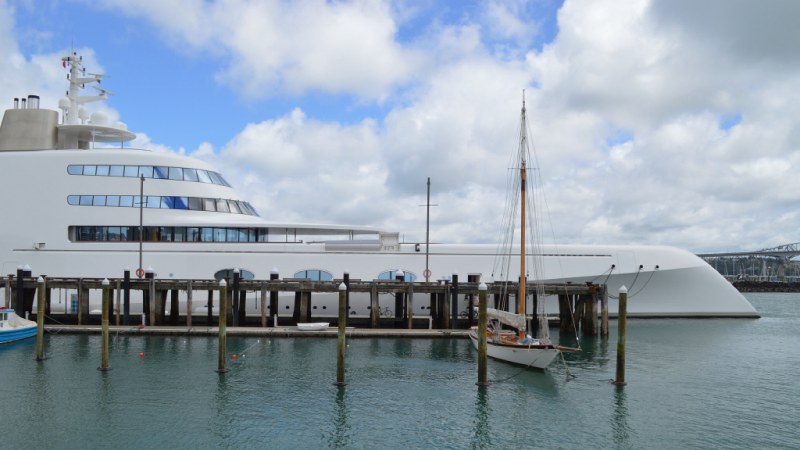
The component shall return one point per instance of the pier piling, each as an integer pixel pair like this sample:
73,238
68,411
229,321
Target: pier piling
273,298
483,378
622,329
189,292
223,312
40,319
604,311
341,345
104,325
126,301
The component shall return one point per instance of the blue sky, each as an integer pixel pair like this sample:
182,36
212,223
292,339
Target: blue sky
179,81
654,122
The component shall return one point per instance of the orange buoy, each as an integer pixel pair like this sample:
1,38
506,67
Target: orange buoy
141,354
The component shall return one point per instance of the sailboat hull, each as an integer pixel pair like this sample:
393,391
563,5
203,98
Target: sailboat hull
536,357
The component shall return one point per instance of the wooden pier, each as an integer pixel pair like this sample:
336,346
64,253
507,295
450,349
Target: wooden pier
578,304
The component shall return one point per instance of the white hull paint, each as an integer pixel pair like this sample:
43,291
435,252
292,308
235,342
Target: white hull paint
34,232
39,222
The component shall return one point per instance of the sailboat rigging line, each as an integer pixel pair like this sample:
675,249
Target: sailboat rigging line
566,367
572,318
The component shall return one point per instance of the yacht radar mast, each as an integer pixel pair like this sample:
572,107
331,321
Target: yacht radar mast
75,131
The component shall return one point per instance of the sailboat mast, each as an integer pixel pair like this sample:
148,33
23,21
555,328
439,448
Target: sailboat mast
523,180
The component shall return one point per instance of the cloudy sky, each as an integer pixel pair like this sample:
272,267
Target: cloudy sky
654,122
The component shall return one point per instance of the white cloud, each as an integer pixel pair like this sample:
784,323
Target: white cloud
290,47
626,107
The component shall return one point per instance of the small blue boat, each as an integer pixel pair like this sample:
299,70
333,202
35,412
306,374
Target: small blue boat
14,327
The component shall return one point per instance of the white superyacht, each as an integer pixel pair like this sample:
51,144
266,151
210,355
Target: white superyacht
75,197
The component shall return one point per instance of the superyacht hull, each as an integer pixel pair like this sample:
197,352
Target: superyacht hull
73,208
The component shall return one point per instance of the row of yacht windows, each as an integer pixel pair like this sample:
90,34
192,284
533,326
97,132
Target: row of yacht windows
156,172
165,202
168,234
203,234
310,274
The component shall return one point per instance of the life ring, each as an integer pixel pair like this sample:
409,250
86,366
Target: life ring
140,272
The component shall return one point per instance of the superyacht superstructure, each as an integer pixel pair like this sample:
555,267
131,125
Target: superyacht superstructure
78,203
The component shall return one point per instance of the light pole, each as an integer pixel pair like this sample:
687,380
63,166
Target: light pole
139,272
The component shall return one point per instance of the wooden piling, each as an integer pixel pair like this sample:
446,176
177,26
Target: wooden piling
235,298
210,308
189,292
340,345
40,319
126,301
263,305
117,300
173,307
374,307
223,313
446,306
151,295
104,325
273,298
19,305
9,281
399,301
83,304
621,331
410,302
454,302
604,311
483,377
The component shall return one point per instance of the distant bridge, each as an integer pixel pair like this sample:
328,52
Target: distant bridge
768,264
786,251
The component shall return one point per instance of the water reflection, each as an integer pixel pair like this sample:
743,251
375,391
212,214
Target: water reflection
482,431
341,427
619,420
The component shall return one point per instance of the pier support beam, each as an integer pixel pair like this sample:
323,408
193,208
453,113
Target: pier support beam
126,297
410,303
454,302
149,305
40,286
83,304
235,297
604,311
210,308
273,298
263,305
174,306
189,296
374,307
399,301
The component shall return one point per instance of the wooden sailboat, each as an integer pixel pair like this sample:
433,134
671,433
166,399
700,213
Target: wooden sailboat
516,346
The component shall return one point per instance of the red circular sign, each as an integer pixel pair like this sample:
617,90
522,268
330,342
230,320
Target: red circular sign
426,273
140,272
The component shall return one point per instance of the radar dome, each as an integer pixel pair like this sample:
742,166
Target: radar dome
99,118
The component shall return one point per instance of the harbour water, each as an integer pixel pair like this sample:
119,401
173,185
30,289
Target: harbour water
723,383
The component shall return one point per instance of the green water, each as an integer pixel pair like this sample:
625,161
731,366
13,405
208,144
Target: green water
691,384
